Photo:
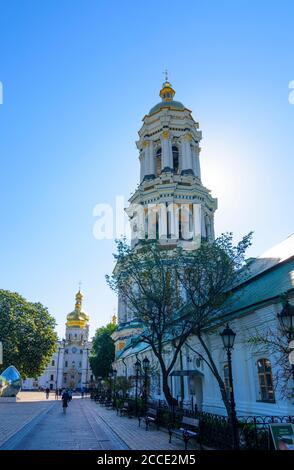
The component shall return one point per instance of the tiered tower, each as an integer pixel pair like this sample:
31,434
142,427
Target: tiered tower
170,204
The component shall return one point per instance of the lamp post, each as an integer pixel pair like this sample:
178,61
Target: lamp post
146,364
137,367
114,374
286,318
110,374
228,338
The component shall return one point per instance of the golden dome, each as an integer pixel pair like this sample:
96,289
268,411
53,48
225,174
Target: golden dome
167,92
77,318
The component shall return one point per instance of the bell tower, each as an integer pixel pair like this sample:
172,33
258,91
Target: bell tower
171,204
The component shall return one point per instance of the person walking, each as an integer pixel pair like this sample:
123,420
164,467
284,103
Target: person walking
65,399
47,391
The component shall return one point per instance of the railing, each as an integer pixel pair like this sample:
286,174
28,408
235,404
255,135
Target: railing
215,430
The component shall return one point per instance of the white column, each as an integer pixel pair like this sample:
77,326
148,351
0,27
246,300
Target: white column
197,223
152,221
186,152
175,221
186,235
165,150
151,158
196,162
142,166
162,221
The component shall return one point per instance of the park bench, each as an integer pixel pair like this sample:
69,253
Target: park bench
151,417
125,409
189,429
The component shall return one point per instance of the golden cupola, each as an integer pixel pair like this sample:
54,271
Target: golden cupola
77,318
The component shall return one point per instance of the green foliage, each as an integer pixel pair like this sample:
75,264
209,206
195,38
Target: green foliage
27,333
103,351
178,293
123,384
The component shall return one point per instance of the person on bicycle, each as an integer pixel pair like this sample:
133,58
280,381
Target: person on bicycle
65,399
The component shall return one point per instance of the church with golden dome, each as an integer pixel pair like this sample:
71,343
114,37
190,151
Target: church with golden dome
69,367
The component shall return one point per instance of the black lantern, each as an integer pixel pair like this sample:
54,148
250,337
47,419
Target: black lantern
286,318
137,366
228,337
146,364
114,373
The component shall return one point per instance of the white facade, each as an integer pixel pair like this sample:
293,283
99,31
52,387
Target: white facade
170,174
69,366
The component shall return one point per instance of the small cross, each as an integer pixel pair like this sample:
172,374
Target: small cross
80,285
166,75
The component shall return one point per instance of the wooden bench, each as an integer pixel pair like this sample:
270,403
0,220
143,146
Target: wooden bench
125,409
151,417
189,430
109,404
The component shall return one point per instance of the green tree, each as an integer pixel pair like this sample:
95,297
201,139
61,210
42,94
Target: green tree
27,333
103,351
178,293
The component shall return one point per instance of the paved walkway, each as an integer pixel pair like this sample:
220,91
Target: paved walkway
35,423
137,438
14,416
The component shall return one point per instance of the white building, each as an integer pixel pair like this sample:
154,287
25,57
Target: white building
170,177
69,366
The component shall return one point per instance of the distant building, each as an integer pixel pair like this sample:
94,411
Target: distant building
69,365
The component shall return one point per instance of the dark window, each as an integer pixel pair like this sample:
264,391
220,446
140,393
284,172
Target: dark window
51,377
266,388
158,161
175,151
65,363
53,363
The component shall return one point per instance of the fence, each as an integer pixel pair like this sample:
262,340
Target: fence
215,430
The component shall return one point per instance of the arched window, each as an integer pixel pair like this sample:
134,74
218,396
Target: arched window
158,161
265,379
175,151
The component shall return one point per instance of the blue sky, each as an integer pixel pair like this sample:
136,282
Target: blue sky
79,75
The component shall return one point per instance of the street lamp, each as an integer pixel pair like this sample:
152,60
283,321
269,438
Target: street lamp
286,318
114,374
228,338
137,367
110,381
146,364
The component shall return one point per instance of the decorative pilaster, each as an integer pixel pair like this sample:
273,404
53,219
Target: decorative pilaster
166,154
149,172
187,168
142,166
162,221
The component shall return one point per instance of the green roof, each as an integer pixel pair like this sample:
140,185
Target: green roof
167,104
263,287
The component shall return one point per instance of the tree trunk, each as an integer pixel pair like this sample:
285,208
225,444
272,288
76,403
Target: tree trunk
217,376
166,390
